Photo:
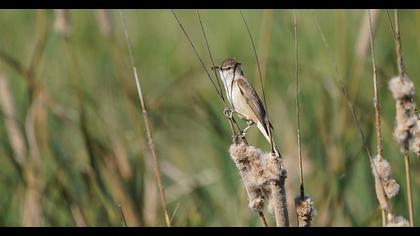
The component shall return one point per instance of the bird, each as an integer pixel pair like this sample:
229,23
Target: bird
244,100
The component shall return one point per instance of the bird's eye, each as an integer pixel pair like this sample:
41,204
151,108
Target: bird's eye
228,68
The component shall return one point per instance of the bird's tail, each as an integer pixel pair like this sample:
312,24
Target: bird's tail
268,135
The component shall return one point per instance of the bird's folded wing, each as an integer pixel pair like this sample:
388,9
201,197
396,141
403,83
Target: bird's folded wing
253,100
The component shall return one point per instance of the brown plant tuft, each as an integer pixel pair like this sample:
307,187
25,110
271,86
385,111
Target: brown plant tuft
305,210
383,171
263,175
407,130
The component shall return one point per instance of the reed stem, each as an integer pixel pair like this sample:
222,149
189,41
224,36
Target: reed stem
147,125
401,73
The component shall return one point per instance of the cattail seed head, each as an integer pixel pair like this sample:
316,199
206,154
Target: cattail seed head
401,87
405,121
382,167
256,199
381,196
304,210
415,131
273,166
258,170
248,161
407,127
391,188
384,175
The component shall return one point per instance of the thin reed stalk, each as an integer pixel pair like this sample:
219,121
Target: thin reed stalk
146,123
122,215
376,102
401,72
376,99
256,58
383,169
14,133
262,219
398,44
405,144
408,189
302,190
211,57
304,205
233,125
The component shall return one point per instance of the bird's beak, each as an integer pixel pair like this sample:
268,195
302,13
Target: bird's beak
215,68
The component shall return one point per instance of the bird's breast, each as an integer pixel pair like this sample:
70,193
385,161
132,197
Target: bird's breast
240,103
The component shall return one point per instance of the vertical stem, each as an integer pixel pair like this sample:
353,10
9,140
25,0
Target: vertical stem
408,186
383,217
401,73
262,219
302,190
398,45
376,105
280,203
147,125
375,98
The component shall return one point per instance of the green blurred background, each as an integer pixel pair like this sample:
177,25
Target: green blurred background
72,137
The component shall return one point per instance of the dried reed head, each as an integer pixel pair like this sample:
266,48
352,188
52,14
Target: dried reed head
380,194
407,128
383,171
257,169
382,167
415,132
401,88
247,160
305,210
391,188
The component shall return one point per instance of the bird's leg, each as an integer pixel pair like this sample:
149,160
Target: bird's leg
229,115
249,123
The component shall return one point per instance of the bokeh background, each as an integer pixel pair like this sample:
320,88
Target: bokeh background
72,138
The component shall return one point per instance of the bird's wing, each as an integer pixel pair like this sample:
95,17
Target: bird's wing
253,100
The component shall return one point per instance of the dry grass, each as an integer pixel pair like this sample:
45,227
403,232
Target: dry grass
74,150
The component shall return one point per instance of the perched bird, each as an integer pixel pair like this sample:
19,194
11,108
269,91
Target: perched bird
243,98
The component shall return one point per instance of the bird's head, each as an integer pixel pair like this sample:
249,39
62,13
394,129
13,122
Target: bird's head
228,69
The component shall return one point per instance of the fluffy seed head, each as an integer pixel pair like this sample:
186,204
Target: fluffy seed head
415,142
383,168
256,199
391,188
304,210
401,88
247,160
257,169
381,196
